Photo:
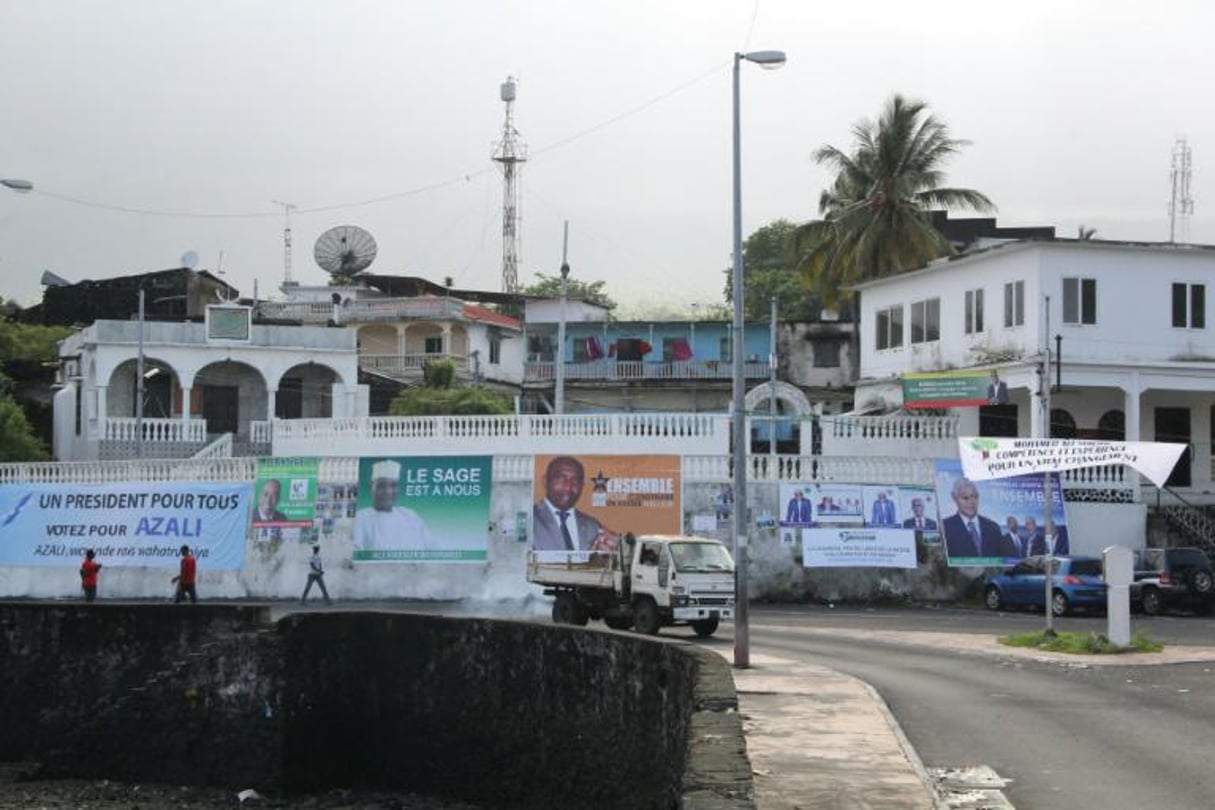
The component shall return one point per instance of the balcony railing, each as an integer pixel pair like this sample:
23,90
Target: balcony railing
613,370
126,429
410,365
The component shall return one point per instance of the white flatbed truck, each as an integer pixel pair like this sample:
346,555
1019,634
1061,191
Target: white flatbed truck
648,582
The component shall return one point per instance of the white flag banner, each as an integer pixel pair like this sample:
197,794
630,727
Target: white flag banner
984,457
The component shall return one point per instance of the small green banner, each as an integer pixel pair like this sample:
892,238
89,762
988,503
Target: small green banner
949,389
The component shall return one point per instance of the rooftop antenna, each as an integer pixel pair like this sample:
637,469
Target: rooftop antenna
1181,204
287,209
510,153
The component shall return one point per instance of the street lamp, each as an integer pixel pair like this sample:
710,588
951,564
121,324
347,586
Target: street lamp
19,186
742,642
559,403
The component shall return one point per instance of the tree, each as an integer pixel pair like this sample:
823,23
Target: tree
877,212
24,349
441,396
769,271
550,287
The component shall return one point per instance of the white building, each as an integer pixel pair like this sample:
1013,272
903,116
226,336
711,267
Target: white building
1131,352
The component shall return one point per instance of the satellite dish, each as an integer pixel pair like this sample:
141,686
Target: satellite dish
345,250
189,259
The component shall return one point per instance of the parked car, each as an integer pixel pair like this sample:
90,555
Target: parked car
1078,583
1172,577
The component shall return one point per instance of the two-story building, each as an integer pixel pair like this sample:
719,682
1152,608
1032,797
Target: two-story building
1114,334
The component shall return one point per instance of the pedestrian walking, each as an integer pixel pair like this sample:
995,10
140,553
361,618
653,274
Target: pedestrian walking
185,577
88,575
316,573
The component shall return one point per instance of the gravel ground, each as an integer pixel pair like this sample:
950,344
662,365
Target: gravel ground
18,790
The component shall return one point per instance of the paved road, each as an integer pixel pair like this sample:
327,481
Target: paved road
1067,735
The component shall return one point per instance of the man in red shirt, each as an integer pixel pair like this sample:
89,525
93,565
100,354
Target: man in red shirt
185,579
88,576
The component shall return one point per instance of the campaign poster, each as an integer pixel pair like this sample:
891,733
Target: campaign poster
881,506
797,507
837,503
918,508
584,505
998,521
142,523
858,547
423,509
284,499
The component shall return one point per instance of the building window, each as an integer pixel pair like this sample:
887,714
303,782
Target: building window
1190,306
926,320
1062,424
1014,304
495,351
434,345
1111,427
826,355
889,323
725,350
1080,300
974,311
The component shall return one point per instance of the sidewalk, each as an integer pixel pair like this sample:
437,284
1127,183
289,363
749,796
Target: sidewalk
819,739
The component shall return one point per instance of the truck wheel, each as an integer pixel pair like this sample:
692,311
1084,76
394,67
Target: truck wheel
567,610
706,627
645,616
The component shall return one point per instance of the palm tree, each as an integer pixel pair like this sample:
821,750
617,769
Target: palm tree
877,213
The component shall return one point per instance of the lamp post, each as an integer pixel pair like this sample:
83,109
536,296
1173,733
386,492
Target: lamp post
559,404
139,385
742,641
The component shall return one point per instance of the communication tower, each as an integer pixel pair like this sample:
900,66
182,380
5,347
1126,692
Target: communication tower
510,153
287,209
1181,204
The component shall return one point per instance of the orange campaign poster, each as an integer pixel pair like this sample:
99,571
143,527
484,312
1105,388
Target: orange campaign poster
586,503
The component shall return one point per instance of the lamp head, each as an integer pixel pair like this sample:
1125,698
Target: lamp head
20,186
769,60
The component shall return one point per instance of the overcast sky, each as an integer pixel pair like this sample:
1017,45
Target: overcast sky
384,114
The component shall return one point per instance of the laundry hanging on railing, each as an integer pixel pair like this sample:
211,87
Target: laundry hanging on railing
680,350
594,350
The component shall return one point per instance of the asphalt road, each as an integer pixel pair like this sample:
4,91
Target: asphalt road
1067,735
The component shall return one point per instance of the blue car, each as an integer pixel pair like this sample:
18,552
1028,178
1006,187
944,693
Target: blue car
1078,583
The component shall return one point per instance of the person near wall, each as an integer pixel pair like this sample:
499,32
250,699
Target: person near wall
316,575
186,573
89,570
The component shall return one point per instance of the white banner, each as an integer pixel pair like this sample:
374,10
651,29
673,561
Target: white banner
984,457
859,548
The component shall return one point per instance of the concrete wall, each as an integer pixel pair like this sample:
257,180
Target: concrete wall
502,713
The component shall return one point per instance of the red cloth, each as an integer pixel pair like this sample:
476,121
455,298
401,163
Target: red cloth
188,566
88,573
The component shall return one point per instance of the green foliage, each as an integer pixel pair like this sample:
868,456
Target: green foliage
550,287
1080,643
439,373
770,271
17,440
449,402
877,213
24,341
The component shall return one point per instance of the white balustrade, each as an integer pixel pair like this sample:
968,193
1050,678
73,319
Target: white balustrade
127,429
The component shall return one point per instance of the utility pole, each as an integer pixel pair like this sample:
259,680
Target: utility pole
287,209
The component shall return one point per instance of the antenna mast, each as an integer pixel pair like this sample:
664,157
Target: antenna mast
1181,204
510,152
287,209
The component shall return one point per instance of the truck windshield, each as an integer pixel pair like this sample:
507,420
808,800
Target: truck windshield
702,557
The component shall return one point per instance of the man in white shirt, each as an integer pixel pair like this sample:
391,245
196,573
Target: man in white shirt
384,526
